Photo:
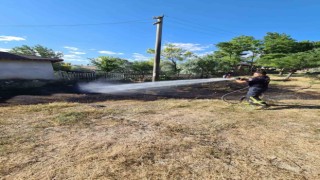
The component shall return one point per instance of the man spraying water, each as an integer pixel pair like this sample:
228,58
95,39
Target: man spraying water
258,84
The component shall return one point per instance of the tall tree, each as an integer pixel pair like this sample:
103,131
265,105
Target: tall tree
204,65
248,44
303,46
294,62
278,43
231,50
224,62
142,66
280,50
174,55
42,51
236,47
37,50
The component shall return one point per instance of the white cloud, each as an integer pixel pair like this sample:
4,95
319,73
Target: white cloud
73,57
4,49
140,57
71,48
11,38
110,53
191,46
77,52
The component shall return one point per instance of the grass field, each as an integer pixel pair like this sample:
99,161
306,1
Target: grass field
166,138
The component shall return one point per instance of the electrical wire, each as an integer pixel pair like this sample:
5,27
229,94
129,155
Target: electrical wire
176,21
184,27
210,28
76,25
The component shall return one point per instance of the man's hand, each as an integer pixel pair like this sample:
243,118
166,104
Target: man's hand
241,80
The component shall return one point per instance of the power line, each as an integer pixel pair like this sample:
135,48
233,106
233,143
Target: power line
185,26
201,26
193,29
190,23
75,25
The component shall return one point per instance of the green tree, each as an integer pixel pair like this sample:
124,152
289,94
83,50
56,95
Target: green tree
61,66
278,43
174,55
294,62
37,50
281,47
231,50
248,44
108,63
204,66
142,66
224,64
236,47
316,44
303,46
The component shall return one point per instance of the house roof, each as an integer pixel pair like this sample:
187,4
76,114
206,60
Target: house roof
11,56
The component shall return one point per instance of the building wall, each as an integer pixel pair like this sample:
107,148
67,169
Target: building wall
13,69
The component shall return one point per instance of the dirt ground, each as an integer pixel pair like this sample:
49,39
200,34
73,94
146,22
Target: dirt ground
172,133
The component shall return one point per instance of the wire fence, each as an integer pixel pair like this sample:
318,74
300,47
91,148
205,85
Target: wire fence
117,76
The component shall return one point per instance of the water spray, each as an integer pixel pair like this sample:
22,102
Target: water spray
108,88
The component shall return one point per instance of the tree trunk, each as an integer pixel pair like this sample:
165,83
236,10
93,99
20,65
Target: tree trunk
289,75
251,63
175,69
281,72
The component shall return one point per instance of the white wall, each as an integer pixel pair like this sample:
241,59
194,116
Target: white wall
13,69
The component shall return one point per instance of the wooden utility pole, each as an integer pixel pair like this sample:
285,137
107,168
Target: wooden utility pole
156,64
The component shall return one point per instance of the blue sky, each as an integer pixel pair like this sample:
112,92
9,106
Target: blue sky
124,28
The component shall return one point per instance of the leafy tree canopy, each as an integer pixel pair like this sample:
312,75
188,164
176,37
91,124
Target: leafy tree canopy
42,51
235,48
108,63
61,66
294,61
278,43
37,50
142,66
204,65
174,55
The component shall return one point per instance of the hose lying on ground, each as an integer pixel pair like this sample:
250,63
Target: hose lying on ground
225,95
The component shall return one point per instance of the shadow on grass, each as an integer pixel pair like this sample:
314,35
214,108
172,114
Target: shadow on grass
288,106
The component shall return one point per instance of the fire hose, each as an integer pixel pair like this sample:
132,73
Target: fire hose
225,95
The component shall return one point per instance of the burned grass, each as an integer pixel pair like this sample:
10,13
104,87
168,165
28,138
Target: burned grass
165,138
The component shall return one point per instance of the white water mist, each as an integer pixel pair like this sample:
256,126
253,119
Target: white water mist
102,87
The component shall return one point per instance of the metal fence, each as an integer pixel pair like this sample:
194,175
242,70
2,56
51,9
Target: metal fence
116,76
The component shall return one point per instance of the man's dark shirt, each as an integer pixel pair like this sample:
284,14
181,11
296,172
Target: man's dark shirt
259,82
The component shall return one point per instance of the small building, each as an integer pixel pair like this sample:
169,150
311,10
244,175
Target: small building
13,66
243,68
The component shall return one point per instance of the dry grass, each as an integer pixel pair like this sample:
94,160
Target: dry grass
163,139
